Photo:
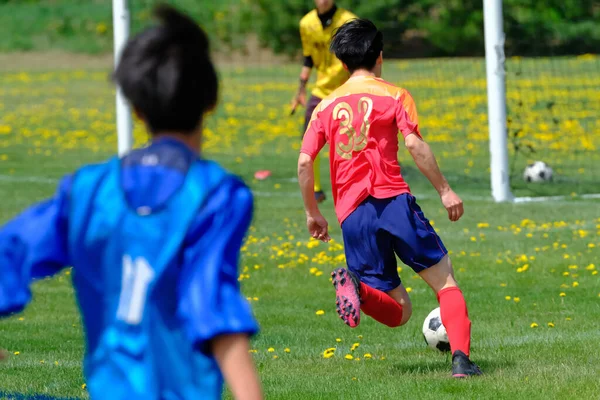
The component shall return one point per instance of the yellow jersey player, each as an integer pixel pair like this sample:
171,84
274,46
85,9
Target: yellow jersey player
316,29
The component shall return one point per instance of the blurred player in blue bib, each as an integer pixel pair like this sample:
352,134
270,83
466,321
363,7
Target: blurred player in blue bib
153,238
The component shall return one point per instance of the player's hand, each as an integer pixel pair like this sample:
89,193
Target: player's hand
453,205
317,227
300,99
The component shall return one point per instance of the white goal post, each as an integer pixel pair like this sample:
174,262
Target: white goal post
121,34
496,92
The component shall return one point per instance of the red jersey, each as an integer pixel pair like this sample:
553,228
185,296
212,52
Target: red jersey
360,120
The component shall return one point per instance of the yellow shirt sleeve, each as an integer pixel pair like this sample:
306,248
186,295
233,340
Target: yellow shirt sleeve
306,42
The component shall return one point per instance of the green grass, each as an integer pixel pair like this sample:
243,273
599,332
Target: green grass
50,123
86,26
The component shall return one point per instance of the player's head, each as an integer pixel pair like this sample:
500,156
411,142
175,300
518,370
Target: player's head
167,75
324,5
358,44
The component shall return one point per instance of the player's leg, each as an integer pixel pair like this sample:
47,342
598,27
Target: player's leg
313,102
400,295
455,316
371,282
420,247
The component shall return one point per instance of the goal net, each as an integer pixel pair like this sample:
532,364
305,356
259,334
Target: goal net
552,115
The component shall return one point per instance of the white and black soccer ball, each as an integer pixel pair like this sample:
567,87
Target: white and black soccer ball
434,332
538,172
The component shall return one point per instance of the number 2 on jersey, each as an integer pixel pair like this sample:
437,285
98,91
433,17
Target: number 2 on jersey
137,275
344,113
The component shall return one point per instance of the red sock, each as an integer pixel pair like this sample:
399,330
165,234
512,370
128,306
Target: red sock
380,306
455,318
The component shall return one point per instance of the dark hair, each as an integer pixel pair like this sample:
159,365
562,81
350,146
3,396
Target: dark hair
167,75
357,44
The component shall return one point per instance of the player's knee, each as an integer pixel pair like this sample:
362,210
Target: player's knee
406,313
402,317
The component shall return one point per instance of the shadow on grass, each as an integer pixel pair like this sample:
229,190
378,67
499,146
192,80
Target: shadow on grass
443,365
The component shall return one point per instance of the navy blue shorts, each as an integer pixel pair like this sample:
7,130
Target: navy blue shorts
380,229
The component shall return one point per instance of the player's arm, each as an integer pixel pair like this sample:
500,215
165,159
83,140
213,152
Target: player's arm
313,142
300,97
32,246
427,164
407,120
217,317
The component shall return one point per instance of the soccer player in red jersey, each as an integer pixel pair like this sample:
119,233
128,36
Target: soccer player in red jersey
379,216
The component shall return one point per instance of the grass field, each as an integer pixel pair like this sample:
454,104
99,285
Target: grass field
529,271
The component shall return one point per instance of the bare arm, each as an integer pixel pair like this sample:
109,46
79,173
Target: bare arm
427,164
236,364
300,97
317,225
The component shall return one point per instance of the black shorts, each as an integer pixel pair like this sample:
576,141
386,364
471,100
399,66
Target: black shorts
313,102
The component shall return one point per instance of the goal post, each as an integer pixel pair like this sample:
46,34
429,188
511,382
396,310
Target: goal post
123,112
496,94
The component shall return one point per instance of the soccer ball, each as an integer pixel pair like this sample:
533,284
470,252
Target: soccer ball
435,333
537,172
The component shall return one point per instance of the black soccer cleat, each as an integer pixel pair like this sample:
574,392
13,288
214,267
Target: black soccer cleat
462,367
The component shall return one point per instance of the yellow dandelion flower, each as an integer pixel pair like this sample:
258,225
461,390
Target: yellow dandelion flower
408,289
348,357
16,353
594,272
320,312
328,353
368,355
507,297
590,267
101,28
568,319
516,299
562,294
550,324
84,386
534,325
270,349
338,340
360,336
503,285
575,284
287,350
